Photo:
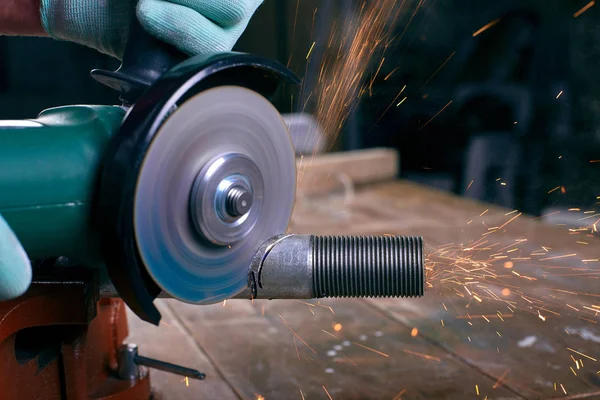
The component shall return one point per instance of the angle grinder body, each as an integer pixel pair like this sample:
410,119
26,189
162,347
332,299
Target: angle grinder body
49,172
125,188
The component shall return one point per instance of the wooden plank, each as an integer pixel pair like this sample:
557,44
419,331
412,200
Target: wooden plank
169,342
296,350
530,345
332,171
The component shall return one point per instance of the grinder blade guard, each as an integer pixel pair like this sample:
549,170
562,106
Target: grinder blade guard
200,174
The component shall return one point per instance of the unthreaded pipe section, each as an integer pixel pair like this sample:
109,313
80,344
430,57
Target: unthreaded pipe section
368,266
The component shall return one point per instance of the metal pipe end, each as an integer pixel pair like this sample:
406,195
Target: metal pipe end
368,266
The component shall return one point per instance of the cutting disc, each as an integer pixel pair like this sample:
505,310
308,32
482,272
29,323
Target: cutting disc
217,181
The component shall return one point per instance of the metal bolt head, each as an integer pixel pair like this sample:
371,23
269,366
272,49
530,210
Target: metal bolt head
239,201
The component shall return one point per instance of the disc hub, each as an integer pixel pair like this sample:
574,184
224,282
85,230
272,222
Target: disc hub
226,198
236,200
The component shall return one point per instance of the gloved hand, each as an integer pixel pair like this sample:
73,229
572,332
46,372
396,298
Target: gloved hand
15,268
193,26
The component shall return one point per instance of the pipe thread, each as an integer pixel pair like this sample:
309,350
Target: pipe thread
368,266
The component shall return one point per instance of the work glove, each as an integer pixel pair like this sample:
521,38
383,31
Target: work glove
192,26
15,268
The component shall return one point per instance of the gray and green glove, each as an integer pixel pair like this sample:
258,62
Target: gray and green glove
192,26
15,268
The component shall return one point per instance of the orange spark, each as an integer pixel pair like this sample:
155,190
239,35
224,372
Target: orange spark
438,113
582,10
310,50
437,70
486,27
326,392
510,220
414,332
581,354
399,395
425,356
556,257
497,384
330,334
541,316
337,327
390,74
295,334
370,349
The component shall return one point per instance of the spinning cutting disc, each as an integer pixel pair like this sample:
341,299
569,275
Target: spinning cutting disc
217,181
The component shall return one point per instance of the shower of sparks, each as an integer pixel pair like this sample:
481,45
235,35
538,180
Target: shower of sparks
350,49
584,9
487,269
490,268
486,27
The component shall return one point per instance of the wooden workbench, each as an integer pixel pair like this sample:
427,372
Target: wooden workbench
511,312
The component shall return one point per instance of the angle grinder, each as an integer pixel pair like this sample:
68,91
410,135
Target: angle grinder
185,190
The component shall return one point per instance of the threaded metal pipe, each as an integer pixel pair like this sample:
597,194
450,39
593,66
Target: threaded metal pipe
306,266
371,266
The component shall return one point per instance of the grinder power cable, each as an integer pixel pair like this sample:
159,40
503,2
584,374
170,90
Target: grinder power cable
185,191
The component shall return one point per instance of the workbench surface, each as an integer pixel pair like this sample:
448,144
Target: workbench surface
511,312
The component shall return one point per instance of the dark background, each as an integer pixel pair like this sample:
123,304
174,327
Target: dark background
511,73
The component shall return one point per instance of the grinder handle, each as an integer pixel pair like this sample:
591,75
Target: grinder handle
145,59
